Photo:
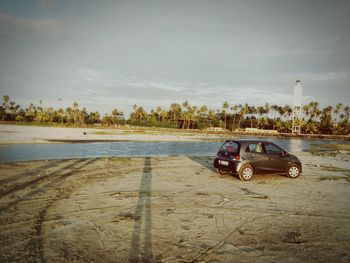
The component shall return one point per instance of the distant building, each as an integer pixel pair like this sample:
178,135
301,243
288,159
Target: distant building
296,128
215,129
256,130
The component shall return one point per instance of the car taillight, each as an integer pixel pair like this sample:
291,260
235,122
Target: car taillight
237,157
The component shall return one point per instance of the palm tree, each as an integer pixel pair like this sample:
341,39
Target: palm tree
176,112
225,106
93,117
243,110
274,109
306,110
202,113
77,114
326,120
187,107
192,115
61,115
5,101
260,110
30,112
9,108
287,111
267,109
69,115
164,115
280,111
158,112
310,127
211,116
187,117
336,111
252,111
346,111
234,109
314,110
140,114
263,122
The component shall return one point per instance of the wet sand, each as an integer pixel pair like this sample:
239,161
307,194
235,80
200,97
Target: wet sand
173,209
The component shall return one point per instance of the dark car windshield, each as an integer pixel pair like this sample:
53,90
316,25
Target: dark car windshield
230,148
272,149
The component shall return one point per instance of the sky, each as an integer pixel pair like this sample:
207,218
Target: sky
114,54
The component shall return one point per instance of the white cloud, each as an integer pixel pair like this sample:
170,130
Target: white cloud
11,25
321,76
45,4
118,54
123,92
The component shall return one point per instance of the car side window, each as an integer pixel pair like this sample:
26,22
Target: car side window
251,148
254,148
272,149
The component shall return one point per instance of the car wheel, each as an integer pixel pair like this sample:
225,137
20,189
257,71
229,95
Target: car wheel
293,171
246,172
221,172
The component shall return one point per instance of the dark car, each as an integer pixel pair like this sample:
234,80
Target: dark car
249,157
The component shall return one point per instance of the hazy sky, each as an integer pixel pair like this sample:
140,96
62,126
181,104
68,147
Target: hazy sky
114,54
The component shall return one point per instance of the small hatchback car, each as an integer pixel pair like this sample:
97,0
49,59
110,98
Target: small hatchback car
249,157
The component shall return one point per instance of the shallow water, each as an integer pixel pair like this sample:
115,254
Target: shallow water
26,152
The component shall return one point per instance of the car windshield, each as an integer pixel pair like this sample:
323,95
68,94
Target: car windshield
272,149
230,148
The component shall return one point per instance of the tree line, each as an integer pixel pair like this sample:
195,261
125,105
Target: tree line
314,119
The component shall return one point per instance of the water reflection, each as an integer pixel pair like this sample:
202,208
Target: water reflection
296,145
23,152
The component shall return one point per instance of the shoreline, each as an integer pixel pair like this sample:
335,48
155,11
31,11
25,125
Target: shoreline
24,134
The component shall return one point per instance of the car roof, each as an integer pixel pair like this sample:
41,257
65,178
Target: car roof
246,141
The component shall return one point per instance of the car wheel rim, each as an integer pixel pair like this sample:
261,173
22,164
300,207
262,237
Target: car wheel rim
247,173
293,171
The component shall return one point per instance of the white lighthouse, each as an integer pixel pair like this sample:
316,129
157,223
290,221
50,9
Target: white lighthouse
297,108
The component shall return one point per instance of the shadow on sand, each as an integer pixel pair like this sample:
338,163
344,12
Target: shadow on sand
143,204
205,161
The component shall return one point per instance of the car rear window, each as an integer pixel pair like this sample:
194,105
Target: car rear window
230,148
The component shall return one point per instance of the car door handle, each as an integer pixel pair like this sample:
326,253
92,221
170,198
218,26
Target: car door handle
252,156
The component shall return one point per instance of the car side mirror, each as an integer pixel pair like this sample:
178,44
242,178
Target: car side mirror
284,154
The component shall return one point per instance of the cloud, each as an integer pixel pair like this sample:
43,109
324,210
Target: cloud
45,4
321,76
11,25
123,92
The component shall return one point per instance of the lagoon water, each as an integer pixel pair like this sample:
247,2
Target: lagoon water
26,152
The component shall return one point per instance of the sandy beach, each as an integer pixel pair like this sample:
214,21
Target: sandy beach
173,209
13,134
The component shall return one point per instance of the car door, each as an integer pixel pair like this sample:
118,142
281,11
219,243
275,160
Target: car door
257,157
276,161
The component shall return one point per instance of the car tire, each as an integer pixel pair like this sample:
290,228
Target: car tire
293,171
221,172
246,172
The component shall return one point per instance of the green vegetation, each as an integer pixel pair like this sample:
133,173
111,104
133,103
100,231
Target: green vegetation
105,133
329,120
